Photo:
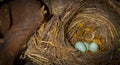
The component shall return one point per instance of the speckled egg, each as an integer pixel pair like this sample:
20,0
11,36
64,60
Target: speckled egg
80,46
93,47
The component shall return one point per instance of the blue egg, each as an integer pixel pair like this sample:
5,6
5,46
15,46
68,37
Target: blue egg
86,45
80,46
93,47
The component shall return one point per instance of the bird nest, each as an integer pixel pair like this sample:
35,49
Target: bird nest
114,5
53,43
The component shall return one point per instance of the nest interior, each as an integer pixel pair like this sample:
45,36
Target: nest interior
53,43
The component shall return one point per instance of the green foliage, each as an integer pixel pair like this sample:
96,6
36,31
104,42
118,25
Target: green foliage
119,33
118,49
118,40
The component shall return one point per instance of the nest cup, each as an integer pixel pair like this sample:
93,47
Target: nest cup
92,25
53,43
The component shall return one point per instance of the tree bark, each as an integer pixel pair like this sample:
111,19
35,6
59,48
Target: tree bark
27,16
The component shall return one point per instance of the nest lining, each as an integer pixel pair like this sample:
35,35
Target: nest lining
87,28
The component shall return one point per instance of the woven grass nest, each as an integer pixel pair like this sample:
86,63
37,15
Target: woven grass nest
114,5
53,43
